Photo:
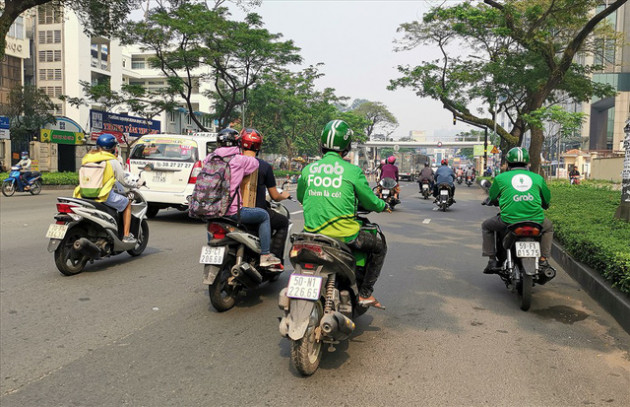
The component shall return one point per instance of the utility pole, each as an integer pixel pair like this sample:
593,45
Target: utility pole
623,212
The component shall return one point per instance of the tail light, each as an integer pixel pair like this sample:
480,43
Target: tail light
65,208
128,165
217,231
526,231
312,248
195,171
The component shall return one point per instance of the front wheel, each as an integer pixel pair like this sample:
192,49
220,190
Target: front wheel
68,261
526,291
223,295
306,353
143,239
36,188
8,188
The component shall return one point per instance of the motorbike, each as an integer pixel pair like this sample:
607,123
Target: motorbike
575,180
444,198
231,259
320,301
385,191
86,230
425,186
459,179
469,181
518,252
14,182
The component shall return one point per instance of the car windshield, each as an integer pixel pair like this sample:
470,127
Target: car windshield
165,150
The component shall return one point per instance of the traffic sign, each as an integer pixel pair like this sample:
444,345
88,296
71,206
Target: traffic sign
4,122
396,147
439,144
495,150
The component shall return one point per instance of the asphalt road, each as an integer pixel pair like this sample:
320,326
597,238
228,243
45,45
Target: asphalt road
141,331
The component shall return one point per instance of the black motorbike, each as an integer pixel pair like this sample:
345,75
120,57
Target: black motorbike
445,197
425,188
469,180
386,191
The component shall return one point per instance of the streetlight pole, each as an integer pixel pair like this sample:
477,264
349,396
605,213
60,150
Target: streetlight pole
623,212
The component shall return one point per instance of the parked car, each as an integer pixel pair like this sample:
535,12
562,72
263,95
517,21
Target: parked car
171,163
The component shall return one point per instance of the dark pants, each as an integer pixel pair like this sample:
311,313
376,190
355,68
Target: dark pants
376,248
495,224
279,230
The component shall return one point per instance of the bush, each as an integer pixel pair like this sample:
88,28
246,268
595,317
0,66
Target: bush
285,173
54,178
583,218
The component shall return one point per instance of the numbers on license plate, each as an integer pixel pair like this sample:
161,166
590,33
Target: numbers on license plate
527,249
443,192
159,177
56,231
212,255
305,287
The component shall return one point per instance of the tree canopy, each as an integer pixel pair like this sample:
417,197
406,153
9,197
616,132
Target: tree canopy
29,110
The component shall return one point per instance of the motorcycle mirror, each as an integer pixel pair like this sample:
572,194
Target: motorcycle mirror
485,184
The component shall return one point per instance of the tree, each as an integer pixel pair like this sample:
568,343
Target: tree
98,17
521,61
378,116
29,111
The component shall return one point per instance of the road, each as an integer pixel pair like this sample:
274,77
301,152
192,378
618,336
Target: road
141,331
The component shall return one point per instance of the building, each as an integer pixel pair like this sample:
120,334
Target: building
418,135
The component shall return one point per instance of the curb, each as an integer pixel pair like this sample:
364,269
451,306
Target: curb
53,187
611,299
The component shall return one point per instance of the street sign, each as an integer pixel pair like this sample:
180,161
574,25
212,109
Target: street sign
495,150
4,134
396,147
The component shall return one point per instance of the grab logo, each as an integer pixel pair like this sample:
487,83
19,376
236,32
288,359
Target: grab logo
522,182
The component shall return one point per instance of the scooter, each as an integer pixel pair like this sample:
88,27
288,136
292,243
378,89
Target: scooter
385,191
231,259
460,179
469,181
86,230
14,183
444,198
425,189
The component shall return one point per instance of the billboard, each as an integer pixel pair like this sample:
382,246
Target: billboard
130,126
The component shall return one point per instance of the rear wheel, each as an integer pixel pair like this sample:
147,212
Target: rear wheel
306,353
68,261
36,188
8,188
223,295
143,239
526,291
152,211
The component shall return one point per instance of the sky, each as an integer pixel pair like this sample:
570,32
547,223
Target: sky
355,41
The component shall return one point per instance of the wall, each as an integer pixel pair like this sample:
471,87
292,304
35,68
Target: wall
46,156
607,168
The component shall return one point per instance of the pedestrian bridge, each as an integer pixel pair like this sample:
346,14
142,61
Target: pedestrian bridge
415,144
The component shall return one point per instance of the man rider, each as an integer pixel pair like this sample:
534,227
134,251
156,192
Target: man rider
426,174
251,141
444,175
113,178
574,173
522,195
25,169
389,170
330,189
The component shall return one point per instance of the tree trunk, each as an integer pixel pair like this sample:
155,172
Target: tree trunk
535,149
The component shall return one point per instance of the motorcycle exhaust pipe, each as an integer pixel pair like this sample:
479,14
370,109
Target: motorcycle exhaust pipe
337,325
247,275
87,248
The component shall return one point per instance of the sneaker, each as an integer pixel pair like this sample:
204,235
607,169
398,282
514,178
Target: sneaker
268,260
129,239
492,267
543,265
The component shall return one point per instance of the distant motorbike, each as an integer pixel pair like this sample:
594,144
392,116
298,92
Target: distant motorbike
460,179
469,180
86,230
425,186
321,299
444,198
231,260
518,252
14,182
385,191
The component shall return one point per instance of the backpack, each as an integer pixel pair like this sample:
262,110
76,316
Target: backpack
91,176
211,196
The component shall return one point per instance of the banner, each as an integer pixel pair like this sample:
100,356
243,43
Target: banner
130,126
61,137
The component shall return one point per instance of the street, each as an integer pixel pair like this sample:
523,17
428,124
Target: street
141,331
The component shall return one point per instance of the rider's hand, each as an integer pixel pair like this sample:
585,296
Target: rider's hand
285,195
388,208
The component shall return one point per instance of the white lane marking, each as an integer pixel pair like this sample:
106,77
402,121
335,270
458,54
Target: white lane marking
426,221
296,212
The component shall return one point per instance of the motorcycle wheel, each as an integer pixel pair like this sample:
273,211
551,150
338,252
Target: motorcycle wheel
143,239
36,188
152,211
8,188
68,261
222,295
306,353
526,291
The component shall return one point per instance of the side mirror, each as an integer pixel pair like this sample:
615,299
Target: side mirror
485,184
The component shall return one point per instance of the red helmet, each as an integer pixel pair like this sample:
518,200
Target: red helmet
391,159
251,139
445,162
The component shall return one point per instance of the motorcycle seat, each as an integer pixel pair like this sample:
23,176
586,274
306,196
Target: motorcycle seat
510,238
249,227
35,174
321,239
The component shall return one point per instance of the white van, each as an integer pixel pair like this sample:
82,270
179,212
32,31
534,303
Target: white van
171,163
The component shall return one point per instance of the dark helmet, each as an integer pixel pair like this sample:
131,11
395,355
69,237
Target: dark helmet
251,139
107,141
426,164
444,162
227,138
24,154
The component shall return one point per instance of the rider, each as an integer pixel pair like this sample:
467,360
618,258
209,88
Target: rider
330,189
470,173
574,174
113,178
444,175
251,141
389,170
426,174
240,166
25,169
522,195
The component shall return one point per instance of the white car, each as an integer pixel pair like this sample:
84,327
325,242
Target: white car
170,165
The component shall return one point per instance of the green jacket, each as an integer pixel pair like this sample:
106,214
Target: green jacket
330,189
521,194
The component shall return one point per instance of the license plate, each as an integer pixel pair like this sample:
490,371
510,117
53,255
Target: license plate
527,249
425,186
444,192
56,231
159,177
304,287
212,255
385,193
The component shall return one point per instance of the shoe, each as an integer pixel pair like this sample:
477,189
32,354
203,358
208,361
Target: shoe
129,239
543,265
27,188
453,200
492,267
268,260
370,302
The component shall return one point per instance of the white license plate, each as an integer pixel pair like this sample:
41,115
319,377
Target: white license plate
527,249
385,193
56,231
159,177
304,287
444,192
212,255
425,186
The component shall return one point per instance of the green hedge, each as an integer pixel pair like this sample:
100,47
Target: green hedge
584,222
285,173
54,178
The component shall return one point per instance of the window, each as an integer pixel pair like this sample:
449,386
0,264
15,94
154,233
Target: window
49,37
57,74
57,55
50,74
17,28
124,63
57,91
57,36
42,56
137,63
94,51
48,14
42,74
42,37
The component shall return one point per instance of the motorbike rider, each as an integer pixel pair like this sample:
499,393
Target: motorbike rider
240,166
470,173
574,174
389,170
522,195
113,179
426,174
25,169
444,175
330,189
251,142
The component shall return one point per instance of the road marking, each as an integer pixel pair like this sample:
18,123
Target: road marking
296,212
426,221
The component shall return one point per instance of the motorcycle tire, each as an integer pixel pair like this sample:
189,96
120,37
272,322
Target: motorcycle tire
143,239
222,295
527,284
152,211
8,188
306,353
69,262
36,188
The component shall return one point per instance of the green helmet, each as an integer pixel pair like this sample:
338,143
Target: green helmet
517,155
336,136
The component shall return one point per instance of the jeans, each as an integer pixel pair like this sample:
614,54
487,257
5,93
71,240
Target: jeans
376,247
260,217
280,228
495,224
